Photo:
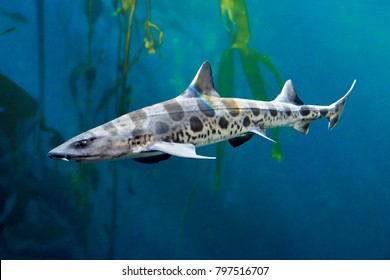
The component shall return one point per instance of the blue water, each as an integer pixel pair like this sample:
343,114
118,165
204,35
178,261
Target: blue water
328,198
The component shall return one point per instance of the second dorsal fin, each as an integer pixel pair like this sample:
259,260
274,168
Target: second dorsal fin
288,95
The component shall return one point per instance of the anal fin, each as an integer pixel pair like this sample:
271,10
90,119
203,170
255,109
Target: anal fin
302,126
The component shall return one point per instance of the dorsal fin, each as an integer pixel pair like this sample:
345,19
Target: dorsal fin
202,84
288,94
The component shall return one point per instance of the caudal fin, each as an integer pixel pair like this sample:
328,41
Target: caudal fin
338,107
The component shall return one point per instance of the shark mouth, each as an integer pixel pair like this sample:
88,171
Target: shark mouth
58,156
54,155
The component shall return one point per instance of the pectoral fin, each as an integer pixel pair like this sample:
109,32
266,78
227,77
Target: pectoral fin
177,149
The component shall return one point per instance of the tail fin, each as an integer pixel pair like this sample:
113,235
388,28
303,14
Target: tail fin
338,108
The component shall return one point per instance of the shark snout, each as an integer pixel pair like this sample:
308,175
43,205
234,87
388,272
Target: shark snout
54,155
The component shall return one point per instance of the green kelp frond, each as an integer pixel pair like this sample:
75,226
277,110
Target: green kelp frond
9,30
235,19
124,7
15,17
150,43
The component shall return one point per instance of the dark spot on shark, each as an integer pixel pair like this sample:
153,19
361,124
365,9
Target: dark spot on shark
130,142
140,140
223,123
232,106
188,136
111,128
167,138
287,111
246,122
255,111
304,110
323,112
272,110
174,110
161,127
138,115
108,126
137,132
196,124
204,107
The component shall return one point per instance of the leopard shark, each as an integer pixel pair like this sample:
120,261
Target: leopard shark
197,117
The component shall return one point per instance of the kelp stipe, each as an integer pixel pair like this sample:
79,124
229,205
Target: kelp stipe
235,18
129,49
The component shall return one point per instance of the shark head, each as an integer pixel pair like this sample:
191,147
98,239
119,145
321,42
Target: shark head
88,147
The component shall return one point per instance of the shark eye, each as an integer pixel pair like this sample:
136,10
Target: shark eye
81,144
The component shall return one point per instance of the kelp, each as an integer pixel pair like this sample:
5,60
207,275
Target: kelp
93,9
125,13
111,229
15,100
9,30
22,184
235,18
40,13
184,220
120,92
28,205
85,73
150,43
18,106
19,116
14,16
225,73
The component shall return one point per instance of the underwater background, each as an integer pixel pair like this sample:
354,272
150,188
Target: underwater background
68,66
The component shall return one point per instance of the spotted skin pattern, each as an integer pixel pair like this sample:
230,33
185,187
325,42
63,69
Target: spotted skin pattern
197,117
